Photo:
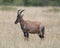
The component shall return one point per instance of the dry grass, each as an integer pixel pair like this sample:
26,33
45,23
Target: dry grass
11,35
7,8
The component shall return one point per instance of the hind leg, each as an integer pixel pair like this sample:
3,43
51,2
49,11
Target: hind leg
41,36
41,32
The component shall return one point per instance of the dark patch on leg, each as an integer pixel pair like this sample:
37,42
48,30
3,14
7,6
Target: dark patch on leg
41,33
26,35
41,36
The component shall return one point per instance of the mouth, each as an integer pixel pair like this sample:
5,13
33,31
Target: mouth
15,22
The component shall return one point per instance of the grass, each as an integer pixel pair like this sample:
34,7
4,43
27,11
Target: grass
52,9
7,8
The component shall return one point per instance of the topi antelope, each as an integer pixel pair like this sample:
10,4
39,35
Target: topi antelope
29,26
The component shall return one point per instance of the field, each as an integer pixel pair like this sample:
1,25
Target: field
11,35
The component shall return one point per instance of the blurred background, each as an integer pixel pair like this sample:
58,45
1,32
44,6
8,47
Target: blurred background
31,2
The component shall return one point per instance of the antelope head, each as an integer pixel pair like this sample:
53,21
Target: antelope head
19,16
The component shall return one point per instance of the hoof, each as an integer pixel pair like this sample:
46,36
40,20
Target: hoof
41,36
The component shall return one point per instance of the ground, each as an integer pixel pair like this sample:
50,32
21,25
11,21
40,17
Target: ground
11,35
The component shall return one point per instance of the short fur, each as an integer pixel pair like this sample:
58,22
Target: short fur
30,26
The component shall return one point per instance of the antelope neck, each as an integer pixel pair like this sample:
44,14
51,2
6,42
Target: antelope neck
22,21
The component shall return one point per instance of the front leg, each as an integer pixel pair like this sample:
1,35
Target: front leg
26,35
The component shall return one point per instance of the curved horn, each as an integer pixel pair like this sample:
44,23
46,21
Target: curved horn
21,12
18,12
